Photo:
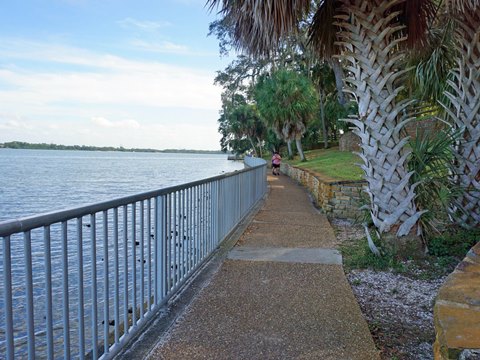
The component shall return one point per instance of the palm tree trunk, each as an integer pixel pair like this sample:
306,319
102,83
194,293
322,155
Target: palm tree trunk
253,146
322,118
289,147
464,96
339,76
298,142
370,39
259,142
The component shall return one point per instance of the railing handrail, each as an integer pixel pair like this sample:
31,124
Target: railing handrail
27,223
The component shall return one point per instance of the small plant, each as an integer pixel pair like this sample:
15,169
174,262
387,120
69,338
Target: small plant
445,252
356,282
357,255
430,162
454,243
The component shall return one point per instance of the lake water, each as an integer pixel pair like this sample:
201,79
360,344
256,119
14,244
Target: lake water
37,181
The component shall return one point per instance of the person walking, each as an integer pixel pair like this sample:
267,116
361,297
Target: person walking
276,161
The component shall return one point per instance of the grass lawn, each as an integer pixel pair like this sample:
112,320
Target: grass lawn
335,164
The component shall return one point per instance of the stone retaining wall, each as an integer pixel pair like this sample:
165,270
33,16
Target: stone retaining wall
339,199
457,311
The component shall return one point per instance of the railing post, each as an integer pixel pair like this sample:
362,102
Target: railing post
216,226
159,256
7,281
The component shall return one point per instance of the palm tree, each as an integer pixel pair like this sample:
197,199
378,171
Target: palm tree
371,35
464,109
372,38
287,101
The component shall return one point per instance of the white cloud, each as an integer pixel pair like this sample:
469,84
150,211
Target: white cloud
145,25
14,122
104,100
161,47
100,131
123,124
107,79
168,47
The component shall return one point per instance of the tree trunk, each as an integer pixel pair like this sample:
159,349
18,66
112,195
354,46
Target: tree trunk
370,39
259,142
464,96
298,142
289,147
339,76
322,118
253,146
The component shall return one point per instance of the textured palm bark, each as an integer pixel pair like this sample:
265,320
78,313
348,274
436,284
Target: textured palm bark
370,39
464,96
298,143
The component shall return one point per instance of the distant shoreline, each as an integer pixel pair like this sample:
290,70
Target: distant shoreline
44,146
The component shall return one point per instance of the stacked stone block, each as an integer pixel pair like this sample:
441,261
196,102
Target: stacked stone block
457,311
340,199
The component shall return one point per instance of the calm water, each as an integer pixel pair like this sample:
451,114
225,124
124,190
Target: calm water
37,181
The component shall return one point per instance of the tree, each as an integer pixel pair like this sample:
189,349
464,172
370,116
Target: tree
293,53
463,108
230,140
325,80
248,124
240,125
446,73
287,101
371,35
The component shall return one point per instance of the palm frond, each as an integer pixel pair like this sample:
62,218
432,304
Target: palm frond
461,5
417,16
433,63
259,25
323,31
430,162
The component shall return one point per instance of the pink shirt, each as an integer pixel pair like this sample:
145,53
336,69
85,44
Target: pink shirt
276,159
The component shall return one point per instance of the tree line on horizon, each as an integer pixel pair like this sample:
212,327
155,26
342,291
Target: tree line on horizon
45,146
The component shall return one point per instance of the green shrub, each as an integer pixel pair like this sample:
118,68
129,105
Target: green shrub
357,255
445,252
453,243
430,162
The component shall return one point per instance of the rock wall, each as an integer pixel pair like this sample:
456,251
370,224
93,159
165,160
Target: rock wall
457,312
339,199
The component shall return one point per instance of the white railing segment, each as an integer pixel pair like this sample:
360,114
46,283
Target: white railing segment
80,283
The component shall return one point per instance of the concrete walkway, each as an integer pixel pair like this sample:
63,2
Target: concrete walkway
281,293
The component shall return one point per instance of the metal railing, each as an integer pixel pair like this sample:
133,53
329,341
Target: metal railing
80,283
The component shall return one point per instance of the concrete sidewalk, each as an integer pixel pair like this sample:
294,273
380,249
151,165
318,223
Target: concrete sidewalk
281,294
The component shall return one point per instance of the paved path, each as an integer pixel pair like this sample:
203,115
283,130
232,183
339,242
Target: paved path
281,294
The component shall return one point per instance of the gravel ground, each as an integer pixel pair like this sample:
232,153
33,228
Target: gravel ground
398,308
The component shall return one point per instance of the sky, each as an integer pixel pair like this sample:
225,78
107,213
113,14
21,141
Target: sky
131,73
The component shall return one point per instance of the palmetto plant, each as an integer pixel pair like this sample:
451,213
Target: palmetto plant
431,161
371,34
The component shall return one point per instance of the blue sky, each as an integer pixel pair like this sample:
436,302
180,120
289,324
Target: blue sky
109,73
